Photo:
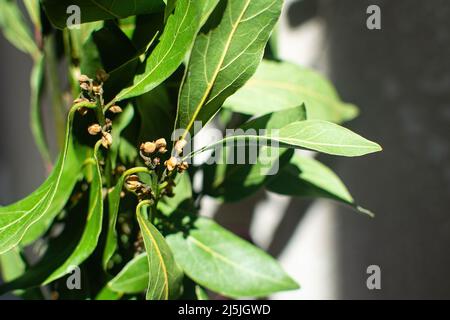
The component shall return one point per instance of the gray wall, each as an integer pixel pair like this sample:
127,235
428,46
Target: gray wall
400,77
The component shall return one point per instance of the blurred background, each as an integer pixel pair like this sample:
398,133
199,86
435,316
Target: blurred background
399,76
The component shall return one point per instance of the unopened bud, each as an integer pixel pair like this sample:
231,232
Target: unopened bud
179,145
132,183
83,78
171,163
161,145
85,86
107,140
148,147
183,166
98,90
101,75
115,109
95,129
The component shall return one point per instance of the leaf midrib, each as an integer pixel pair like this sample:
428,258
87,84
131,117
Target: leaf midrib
158,252
207,249
210,84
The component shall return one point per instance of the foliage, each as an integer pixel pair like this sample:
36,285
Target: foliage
119,202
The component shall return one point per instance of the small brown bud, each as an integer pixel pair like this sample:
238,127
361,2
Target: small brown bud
101,75
85,86
107,140
161,145
94,129
183,166
148,147
132,183
83,78
115,109
179,145
161,142
171,163
108,125
98,90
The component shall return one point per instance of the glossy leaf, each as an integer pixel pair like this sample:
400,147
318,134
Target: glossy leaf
93,10
165,276
315,135
282,85
326,137
133,278
92,229
177,38
11,265
307,177
15,28
225,58
44,203
222,262
236,181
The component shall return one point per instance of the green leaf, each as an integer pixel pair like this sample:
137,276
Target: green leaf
222,262
100,51
231,181
157,114
225,58
133,278
281,85
92,229
326,137
93,10
37,127
15,28
12,265
307,177
44,203
107,294
165,277
315,135
200,293
177,38
34,11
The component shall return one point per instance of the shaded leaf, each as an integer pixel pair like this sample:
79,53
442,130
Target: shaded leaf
93,10
44,203
165,276
222,262
177,38
15,28
281,85
307,177
133,278
113,211
225,58
92,229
